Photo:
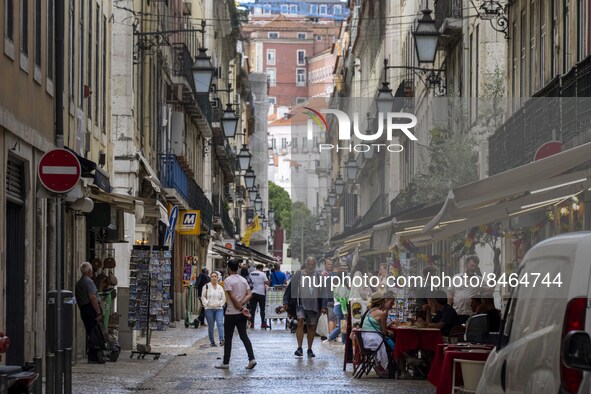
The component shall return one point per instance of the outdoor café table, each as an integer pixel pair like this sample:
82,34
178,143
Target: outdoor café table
413,338
444,385
436,365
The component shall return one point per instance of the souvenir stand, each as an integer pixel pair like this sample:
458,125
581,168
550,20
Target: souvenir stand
149,293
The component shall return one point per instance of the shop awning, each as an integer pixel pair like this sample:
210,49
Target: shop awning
152,208
90,169
257,256
520,190
152,178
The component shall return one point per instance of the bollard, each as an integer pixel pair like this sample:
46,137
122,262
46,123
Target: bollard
50,373
68,371
59,372
3,383
38,362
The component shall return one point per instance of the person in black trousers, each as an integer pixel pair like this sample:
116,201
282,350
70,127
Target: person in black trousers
200,282
237,295
90,310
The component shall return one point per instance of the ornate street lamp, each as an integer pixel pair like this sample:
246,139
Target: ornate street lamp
249,178
368,154
323,214
244,157
384,99
352,169
258,202
272,215
317,226
202,69
229,122
496,13
426,38
332,198
339,185
252,194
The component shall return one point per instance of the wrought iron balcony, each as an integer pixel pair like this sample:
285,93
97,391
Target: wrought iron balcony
173,176
560,111
448,15
221,213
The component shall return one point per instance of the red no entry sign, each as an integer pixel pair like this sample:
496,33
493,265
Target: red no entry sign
59,171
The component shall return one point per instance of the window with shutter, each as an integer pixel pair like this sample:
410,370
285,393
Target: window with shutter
15,181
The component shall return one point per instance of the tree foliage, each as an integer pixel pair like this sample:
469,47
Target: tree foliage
301,230
280,202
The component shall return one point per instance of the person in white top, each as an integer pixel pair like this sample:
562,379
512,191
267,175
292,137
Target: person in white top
213,298
259,291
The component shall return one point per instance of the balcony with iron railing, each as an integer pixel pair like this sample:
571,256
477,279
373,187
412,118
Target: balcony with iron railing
448,16
220,211
559,111
173,176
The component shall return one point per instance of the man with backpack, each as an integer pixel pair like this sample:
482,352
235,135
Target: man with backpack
277,277
308,300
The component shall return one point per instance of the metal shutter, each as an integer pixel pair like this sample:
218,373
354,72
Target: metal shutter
15,181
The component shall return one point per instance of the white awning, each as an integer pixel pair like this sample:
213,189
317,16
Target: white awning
505,194
152,208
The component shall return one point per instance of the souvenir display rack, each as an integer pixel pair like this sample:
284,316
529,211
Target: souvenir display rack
149,292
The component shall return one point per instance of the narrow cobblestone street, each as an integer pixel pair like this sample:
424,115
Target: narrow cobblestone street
187,365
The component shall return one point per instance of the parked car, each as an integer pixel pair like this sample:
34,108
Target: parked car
537,350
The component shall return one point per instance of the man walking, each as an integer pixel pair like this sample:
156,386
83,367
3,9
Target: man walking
309,300
278,278
259,281
90,310
237,295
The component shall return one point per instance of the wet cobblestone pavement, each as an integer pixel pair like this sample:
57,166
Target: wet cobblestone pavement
278,370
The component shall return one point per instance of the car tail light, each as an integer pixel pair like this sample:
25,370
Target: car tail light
574,320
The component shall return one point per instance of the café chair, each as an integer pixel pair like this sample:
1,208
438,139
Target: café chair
456,334
368,357
471,373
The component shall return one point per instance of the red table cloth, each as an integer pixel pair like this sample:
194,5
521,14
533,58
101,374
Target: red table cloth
441,373
408,339
435,371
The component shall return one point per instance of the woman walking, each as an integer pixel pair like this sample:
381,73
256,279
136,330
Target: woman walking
214,299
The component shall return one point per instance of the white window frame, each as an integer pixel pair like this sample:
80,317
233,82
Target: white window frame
271,60
272,100
325,7
337,7
302,36
314,9
318,37
303,62
291,9
284,9
273,32
300,100
273,78
298,74
267,9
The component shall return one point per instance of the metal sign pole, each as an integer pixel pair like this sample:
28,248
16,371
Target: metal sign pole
59,141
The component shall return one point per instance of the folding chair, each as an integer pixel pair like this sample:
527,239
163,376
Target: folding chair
367,357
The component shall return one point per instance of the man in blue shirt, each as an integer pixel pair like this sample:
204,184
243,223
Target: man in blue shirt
277,277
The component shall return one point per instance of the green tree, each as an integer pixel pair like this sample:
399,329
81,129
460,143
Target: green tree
301,231
280,203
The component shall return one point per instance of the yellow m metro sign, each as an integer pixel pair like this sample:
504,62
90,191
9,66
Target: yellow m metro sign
189,223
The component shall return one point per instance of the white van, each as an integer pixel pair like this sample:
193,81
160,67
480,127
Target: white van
531,354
